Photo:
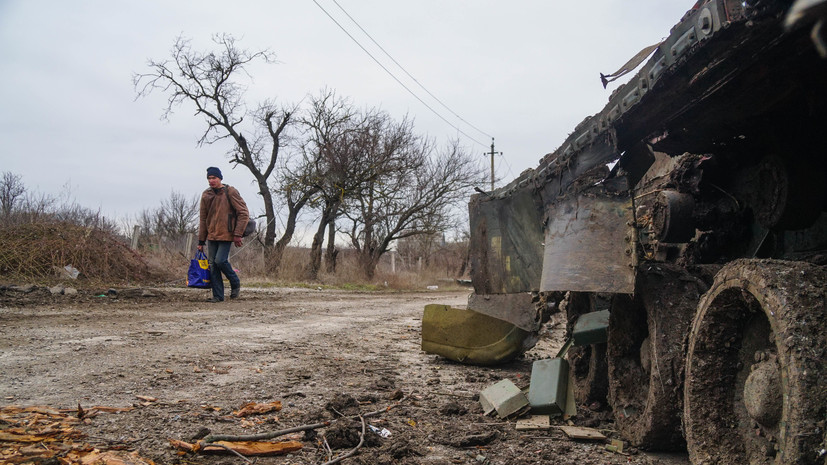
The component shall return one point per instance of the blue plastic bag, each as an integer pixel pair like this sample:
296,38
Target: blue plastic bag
199,272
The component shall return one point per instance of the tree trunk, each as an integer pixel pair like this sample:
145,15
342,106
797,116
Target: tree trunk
465,259
332,253
273,257
369,258
269,214
312,270
315,263
368,265
293,209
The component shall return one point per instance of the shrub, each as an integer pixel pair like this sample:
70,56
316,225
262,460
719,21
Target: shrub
40,251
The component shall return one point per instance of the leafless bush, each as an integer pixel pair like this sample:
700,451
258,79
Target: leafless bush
11,192
76,214
19,205
41,251
176,217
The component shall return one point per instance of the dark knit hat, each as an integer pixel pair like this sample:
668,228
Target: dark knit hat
213,171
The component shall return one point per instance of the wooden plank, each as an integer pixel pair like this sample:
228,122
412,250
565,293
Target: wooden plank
578,432
534,422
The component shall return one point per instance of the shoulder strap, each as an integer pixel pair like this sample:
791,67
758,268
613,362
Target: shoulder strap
227,194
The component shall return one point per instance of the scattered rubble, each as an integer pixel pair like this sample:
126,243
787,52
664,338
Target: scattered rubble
40,434
356,352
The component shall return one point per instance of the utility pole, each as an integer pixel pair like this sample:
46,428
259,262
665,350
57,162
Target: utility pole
492,153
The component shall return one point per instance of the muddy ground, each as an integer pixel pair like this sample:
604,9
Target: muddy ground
316,351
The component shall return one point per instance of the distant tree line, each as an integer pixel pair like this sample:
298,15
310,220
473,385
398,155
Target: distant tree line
366,176
20,205
176,216
164,228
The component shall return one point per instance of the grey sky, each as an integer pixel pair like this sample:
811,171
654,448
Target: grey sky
524,71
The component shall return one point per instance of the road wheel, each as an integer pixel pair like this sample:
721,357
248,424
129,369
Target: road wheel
789,193
755,375
646,357
587,363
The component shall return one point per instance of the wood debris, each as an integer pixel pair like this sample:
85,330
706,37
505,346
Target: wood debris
247,448
579,432
42,434
534,422
253,408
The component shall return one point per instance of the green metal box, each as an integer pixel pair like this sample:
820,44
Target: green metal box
549,382
504,397
591,328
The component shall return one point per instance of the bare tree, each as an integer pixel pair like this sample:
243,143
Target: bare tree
208,80
149,220
298,191
350,150
422,246
37,206
12,191
72,212
178,214
329,126
412,193
19,205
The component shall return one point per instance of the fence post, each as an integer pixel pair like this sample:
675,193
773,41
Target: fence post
188,247
393,262
136,233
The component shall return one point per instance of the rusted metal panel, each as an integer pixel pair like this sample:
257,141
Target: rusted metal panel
506,243
566,173
517,309
589,245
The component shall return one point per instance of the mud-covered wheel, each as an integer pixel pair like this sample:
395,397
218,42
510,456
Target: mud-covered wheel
755,376
589,372
646,357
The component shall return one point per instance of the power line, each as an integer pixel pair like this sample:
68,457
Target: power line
409,74
394,77
510,171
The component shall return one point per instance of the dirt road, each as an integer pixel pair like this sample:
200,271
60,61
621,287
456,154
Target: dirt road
313,350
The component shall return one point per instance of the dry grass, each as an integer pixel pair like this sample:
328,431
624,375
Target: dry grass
250,265
40,251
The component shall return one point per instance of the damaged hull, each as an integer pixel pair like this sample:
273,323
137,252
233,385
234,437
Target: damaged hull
469,337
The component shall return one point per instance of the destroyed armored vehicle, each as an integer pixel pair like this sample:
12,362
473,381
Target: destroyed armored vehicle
692,208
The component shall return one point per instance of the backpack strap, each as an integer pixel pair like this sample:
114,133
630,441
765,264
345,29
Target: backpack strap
232,207
227,195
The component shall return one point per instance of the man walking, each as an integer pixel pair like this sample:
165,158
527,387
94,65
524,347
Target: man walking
223,219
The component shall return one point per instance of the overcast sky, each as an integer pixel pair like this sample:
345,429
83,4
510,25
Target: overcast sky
523,71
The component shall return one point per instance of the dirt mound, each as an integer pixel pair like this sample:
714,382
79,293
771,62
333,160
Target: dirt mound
50,251
343,404
347,433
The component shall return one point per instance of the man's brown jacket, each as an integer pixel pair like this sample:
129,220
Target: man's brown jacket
217,222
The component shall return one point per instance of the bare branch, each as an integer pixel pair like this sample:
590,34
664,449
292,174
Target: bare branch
211,83
354,450
412,195
274,434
